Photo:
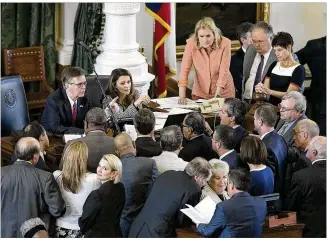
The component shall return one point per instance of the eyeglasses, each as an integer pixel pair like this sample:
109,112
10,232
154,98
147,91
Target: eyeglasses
282,108
80,85
259,43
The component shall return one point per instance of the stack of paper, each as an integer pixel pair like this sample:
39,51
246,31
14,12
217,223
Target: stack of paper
172,102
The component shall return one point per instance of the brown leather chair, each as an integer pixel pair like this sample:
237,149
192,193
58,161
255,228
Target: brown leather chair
28,62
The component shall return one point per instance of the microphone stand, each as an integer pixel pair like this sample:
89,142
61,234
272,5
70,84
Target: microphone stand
105,98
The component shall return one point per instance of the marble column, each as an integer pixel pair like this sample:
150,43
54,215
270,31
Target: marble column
120,49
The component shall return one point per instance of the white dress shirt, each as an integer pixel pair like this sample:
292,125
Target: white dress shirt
169,161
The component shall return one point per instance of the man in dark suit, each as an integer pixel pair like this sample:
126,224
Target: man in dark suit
233,113
223,142
27,192
292,110
258,58
65,108
36,131
138,175
307,194
197,144
314,54
240,216
170,192
265,118
144,122
98,142
243,35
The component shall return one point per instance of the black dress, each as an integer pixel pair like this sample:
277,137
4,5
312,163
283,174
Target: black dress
102,211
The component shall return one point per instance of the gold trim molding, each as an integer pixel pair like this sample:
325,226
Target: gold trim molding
263,14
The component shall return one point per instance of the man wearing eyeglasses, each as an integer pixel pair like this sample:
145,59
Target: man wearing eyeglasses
66,107
292,110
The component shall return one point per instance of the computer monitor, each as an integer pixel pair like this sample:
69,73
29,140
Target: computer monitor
273,203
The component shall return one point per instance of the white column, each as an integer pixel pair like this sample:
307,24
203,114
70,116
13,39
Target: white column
65,40
120,49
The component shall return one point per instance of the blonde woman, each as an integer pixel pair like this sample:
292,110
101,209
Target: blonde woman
210,54
75,184
216,186
103,207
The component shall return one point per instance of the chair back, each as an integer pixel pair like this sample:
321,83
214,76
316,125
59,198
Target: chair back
93,91
14,110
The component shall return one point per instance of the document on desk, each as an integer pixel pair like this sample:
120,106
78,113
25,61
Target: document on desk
172,102
131,131
68,137
202,212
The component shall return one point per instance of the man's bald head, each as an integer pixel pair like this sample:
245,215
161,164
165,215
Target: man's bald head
124,143
26,148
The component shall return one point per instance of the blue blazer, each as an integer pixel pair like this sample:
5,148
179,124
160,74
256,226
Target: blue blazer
276,160
240,134
234,161
240,216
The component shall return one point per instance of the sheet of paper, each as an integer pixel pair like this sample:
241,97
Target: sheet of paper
68,137
206,207
178,111
160,123
161,115
171,102
195,216
131,131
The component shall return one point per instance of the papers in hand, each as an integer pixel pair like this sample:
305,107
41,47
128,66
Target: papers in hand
201,213
68,137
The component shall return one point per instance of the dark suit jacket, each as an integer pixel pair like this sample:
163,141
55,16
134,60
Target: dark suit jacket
276,160
98,144
161,212
240,133
43,164
27,192
234,160
102,210
147,147
288,136
198,147
307,197
236,69
240,216
138,175
57,114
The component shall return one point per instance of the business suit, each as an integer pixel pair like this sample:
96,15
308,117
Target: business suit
42,164
57,115
147,147
307,197
99,144
248,62
276,160
138,175
288,135
199,146
240,134
102,210
234,160
240,216
236,69
161,212
27,192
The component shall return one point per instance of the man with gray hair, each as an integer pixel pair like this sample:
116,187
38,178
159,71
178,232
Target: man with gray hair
98,142
171,143
292,110
34,228
307,193
170,192
27,192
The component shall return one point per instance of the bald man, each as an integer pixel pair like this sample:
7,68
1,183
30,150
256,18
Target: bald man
27,192
138,176
307,194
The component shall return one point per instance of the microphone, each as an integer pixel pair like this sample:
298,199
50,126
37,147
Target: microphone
81,43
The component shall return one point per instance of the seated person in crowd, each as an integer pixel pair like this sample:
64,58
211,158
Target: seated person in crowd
36,131
197,144
216,186
171,138
75,185
254,153
144,122
240,216
307,193
233,113
65,108
103,207
292,110
223,142
98,142
243,35
170,192
138,175
123,99
265,118
34,227
284,75
27,192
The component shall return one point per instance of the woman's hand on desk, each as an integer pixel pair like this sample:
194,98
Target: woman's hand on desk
143,99
182,101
